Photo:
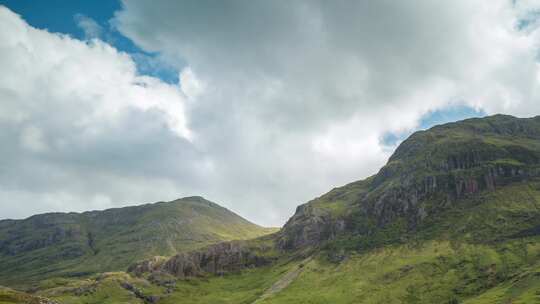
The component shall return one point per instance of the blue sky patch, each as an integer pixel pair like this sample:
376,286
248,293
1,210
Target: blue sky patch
59,16
449,114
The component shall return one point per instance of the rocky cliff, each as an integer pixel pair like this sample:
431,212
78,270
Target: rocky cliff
215,259
428,173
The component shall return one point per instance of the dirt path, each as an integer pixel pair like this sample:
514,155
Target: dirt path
283,282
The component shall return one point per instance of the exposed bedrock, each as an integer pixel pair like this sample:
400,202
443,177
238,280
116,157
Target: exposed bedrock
215,259
395,193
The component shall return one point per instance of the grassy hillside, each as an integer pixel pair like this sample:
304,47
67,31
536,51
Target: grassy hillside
73,244
483,257
10,296
431,272
427,177
486,249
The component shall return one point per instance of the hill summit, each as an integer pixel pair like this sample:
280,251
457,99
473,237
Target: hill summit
78,244
432,174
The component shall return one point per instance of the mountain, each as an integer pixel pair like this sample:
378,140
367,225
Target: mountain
434,183
78,244
453,217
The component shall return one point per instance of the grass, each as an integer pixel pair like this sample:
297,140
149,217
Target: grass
433,272
105,288
243,287
523,289
10,296
436,271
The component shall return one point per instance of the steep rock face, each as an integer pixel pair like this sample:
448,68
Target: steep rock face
215,259
54,229
148,265
308,227
443,188
428,173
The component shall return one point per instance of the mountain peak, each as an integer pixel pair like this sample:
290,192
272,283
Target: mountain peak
112,239
195,198
430,172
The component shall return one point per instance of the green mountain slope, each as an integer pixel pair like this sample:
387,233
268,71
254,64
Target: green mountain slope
77,244
432,175
480,251
10,296
430,272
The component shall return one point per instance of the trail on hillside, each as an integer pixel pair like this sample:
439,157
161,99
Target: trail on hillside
283,282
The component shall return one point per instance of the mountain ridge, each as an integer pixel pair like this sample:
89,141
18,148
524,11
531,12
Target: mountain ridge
450,159
192,198
83,243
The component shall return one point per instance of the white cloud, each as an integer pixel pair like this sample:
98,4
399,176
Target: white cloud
284,101
90,27
297,96
190,84
92,79
80,129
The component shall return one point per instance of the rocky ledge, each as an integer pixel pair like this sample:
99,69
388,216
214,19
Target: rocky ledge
216,259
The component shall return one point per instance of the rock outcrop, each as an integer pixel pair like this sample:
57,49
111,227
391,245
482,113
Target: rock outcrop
215,259
309,226
149,299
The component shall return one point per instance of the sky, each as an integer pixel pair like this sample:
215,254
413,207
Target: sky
256,105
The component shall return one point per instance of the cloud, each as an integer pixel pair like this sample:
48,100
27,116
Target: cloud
80,129
275,104
32,139
299,96
90,27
